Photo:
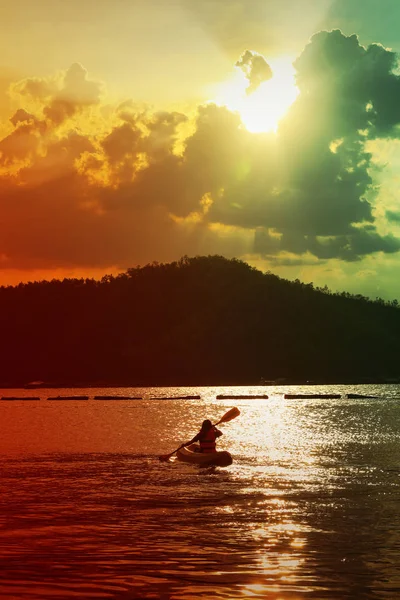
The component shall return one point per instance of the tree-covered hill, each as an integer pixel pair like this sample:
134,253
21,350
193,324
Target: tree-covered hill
202,320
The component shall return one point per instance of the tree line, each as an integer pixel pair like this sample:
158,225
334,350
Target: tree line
198,321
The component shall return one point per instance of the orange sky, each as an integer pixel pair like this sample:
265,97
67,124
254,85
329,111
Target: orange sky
112,153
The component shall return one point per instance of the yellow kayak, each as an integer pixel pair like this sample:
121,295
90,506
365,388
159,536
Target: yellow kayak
192,454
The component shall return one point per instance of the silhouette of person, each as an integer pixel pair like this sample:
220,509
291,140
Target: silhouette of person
206,437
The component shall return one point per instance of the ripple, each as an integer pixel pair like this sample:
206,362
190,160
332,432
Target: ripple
308,508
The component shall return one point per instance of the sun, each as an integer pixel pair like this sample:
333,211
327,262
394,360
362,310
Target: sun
261,110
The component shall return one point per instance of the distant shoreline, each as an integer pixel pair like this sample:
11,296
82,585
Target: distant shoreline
279,383
201,321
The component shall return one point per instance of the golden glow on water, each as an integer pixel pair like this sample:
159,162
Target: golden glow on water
298,543
308,507
254,590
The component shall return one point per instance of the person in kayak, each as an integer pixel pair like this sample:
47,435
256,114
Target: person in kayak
206,437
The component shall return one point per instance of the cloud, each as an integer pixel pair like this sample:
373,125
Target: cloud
35,87
256,69
121,143
356,87
393,216
88,185
352,247
19,145
315,184
78,88
373,21
62,96
7,77
163,128
22,116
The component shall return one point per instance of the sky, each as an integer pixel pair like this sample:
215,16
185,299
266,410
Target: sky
140,131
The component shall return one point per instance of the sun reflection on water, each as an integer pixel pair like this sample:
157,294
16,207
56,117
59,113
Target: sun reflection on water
307,509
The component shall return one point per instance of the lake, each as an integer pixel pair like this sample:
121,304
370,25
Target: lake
310,507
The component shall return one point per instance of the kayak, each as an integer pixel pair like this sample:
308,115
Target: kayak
192,454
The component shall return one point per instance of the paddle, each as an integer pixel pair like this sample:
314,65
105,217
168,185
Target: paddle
229,416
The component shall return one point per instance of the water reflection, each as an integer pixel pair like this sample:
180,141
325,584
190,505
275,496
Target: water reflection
308,509
106,521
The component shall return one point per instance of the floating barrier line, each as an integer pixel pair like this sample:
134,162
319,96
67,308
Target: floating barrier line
118,398
241,396
350,396
175,398
354,396
20,398
312,396
68,398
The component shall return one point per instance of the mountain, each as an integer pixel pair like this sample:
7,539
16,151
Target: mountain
198,321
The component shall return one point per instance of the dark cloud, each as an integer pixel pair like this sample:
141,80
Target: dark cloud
58,162
122,143
214,152
285,260
59,111
323,186
19,145
22,116
256,69
307,189
367,242
349,87
393,216
163,130
124,191
57,219
212,157
355,246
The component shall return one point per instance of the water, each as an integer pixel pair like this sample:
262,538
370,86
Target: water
309,508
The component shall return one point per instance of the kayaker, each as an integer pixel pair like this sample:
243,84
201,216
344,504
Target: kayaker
206,437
